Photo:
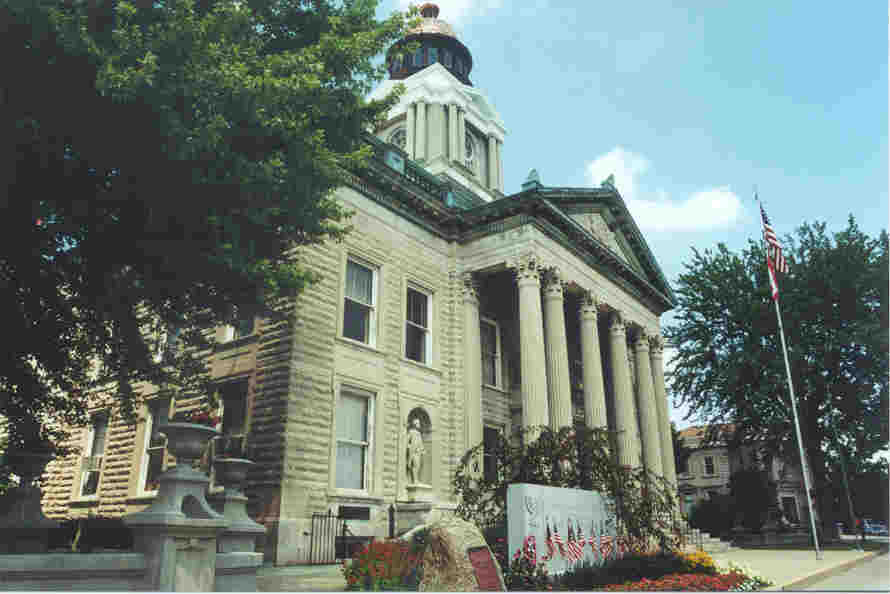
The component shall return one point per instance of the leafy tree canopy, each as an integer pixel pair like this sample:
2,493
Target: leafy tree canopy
729,365
162,159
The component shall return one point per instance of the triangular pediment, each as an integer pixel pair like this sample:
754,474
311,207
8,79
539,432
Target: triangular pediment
595,223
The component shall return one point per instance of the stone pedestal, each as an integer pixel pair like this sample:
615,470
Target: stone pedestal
23,526
242,533
178,532
419,492
411,515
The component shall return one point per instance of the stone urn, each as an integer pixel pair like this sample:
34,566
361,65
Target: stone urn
231,472
187,441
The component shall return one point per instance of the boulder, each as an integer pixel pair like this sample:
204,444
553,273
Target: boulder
456,558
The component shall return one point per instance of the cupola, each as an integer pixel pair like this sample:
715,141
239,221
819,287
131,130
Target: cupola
435,41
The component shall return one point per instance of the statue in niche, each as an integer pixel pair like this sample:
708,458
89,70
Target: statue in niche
416,450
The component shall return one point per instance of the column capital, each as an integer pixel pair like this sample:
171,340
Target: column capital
526,266
554,284
656,344
617,323
590,303
641,342
469,286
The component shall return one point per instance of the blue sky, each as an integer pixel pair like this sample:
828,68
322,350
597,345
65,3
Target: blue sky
691,105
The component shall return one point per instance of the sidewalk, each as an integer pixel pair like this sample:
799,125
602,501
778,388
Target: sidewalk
794,568
788,568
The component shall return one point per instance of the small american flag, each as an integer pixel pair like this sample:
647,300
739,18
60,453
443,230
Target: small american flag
580,536
606,545
530,548
558,540
575,552
550,547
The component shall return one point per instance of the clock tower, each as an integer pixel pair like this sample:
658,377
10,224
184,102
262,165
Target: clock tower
442,121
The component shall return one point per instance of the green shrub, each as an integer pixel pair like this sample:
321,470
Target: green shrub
633,568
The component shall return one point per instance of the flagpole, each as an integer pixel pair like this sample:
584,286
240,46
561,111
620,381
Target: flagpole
803,458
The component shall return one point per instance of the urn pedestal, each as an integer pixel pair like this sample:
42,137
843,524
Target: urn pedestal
23,526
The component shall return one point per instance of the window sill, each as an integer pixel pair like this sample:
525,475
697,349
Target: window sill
85,501
361,345
353,496
146,497
423,366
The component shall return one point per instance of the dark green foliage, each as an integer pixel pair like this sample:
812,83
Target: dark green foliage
753,495
729,365
713,516
573,458
96,532
160,161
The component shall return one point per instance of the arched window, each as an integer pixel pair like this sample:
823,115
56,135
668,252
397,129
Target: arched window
470,152
398,137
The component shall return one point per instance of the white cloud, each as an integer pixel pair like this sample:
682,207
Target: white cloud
654,210
457,12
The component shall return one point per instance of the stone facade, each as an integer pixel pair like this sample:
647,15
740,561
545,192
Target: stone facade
450,304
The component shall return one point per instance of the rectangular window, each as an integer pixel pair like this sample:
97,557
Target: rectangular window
709,465
92,461
232,443
154,447
446,58
244,327
434,55
417,327
418,57
355,411
490,437
789,507
359,315
491,353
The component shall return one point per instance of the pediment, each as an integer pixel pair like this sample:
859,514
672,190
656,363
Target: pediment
594,223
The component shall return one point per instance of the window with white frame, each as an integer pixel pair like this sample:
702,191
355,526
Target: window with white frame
91,469
359,307
418,337
154,447
709,465
491,352
355,414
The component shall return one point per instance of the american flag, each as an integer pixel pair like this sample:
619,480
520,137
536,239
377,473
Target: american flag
575,552
550,548
580,536
557,539
606,545
530,548
593,538
773,247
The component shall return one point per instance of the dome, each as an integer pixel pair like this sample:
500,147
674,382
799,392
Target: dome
438,43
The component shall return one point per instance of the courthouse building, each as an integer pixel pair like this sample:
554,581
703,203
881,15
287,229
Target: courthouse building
450,304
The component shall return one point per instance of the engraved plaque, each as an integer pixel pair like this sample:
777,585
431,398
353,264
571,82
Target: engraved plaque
485,569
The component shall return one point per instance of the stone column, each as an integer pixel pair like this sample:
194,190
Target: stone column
559,384
472,362
500,167
531,342
492,163
656,350
420,131
648,409
410,124
594,389
437,133
461,134
452,132
625,413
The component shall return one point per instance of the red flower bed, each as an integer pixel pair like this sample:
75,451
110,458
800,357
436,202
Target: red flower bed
690,582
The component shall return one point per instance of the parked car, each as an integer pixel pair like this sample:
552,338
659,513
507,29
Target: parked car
873,528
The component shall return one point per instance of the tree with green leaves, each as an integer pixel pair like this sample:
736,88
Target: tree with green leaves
729,365
162,159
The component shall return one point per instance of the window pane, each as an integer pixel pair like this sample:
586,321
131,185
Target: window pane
489,370
446,58
350,466
359,283
434,55
489,337
155,463
418,57
352,418
355,321
91,484
100,429
417,308
415,343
